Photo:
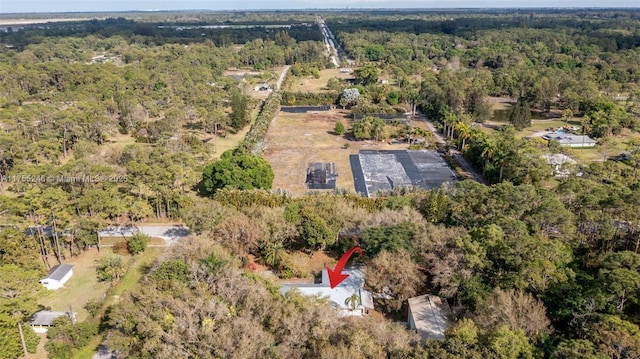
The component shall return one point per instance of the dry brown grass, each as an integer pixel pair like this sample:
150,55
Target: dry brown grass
313,264
294,140
310,84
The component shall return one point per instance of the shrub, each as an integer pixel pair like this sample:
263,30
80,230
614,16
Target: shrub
137,243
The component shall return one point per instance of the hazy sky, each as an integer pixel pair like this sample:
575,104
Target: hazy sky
10,6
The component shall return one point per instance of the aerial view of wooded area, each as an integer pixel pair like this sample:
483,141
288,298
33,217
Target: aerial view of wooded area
190,184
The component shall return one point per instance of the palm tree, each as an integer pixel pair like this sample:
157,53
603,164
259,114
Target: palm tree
450,119
464,132
274,254
489,149
353,301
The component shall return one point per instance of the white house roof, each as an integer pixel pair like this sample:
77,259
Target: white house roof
46,318
58,272
568,139
430,315
337,296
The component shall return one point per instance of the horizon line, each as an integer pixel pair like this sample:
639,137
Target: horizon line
347,8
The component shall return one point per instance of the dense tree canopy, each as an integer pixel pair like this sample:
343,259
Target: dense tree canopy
239,172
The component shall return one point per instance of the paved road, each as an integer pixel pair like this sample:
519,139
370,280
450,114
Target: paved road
282,76
455,153
170,234
335,50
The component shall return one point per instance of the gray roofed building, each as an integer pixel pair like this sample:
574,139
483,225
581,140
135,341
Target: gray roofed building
321,175
58,275
43,319
429,316
568,140
384,170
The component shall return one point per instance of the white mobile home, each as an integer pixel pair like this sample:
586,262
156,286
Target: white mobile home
59,275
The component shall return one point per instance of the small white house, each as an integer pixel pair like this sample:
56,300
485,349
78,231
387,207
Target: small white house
354,284
568,140
58,276
43,320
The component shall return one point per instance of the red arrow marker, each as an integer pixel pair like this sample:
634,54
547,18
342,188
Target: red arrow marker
336,276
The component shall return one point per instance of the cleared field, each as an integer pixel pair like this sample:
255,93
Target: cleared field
294,140
310,84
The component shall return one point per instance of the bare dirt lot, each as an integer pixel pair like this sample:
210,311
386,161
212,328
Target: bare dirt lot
294,140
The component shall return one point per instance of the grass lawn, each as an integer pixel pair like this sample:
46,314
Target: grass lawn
294,140
81,287
140,266
84,286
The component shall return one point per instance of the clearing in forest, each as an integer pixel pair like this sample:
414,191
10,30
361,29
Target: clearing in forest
311,84
296,139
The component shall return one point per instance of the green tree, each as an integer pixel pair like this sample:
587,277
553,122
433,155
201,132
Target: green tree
172,269
19,295
393,98
10,343
137,243
240,172
65,337
274,254
511,344
368,128
314,230
616,337
367,75
339,128
521,114
464,132
577,349
111,268
239,110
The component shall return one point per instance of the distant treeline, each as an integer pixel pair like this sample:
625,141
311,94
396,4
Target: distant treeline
153,33
591,24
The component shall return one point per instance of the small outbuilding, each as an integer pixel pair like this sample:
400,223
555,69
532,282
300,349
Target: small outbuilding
58,276
321,175
43,320
429,316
